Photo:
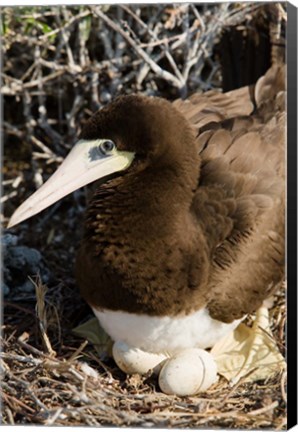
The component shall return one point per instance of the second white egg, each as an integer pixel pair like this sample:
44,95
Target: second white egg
133,360
188,373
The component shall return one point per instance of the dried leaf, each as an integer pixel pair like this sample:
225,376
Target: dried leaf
250,352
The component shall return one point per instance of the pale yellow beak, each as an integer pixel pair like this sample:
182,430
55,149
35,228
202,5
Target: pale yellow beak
83,165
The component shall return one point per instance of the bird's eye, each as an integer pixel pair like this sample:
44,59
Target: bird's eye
107,146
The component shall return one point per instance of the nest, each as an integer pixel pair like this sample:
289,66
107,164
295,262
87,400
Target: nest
59,380
59,65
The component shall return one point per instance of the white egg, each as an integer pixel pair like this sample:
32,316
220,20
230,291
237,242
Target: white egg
133,360
187,373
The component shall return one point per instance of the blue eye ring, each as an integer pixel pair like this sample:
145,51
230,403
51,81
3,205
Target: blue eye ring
107,146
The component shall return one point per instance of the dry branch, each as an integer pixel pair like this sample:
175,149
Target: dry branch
154,66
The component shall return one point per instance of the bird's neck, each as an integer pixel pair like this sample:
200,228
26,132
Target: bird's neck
150,204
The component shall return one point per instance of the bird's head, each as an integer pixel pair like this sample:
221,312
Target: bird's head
133,132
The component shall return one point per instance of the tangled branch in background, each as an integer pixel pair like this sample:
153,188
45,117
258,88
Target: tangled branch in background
60,64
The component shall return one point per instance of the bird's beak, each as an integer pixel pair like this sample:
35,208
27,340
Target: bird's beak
84,164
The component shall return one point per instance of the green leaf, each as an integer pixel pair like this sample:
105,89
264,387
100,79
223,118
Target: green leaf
45,27
85,28
94,333
31,22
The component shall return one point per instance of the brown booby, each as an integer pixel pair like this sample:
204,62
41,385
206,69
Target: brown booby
185,236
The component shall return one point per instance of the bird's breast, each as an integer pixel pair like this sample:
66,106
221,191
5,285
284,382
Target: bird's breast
154,278
164,334
141,256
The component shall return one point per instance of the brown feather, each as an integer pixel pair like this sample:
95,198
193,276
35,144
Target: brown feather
198,219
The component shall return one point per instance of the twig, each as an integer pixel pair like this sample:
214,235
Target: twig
46,151
71,116
22,342
68,25
19,358
163,42
263,409
13,130
9,415
282,386
8,196
51,420
42,314
16,401
157,69
78,351
238,384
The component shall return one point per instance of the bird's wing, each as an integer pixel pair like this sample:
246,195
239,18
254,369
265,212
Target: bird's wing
240,201
213,107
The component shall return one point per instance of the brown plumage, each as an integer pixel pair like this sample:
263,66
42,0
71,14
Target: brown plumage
198,218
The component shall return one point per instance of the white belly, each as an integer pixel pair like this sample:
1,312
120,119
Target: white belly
164,334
